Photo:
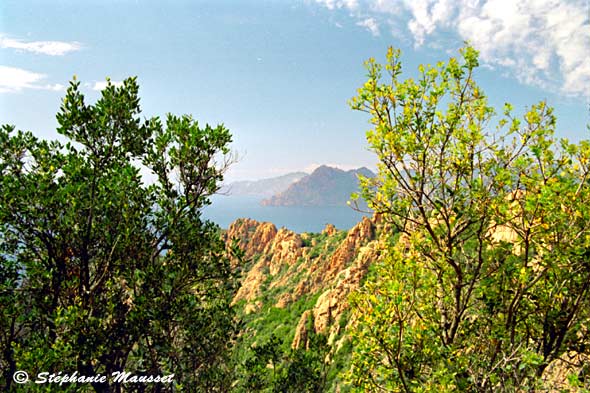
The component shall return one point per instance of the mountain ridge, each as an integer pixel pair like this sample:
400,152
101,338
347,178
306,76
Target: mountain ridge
325,186
263,187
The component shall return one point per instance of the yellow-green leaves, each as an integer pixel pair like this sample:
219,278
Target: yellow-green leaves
490,268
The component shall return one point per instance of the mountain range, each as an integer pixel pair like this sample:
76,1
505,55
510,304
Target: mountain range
264,187
325,186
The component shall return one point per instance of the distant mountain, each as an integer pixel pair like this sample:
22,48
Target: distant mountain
264,187
326,186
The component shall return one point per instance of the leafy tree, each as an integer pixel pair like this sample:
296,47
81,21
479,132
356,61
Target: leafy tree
305,369
270,368
487,276
104,270
260,368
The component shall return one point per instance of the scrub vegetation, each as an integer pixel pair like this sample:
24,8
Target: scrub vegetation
473,275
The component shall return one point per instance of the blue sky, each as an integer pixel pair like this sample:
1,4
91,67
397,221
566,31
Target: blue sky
278,74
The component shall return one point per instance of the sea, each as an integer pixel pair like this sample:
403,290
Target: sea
225,209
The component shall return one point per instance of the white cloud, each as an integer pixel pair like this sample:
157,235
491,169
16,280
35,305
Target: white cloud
427,16
333,4
16,79
371,25
103,84
51,48
544,43
541,42
385,6
55,87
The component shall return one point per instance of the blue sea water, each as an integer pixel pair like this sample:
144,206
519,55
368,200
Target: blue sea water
226,209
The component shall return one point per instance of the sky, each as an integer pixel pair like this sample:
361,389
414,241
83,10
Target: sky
279,74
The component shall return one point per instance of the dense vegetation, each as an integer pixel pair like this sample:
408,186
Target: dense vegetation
487,277
102,270
265,356
480,264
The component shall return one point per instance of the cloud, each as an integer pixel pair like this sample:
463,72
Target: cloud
51,48
371,25
544,43
101,85
16,79
427,16
55,87
334,4
534,39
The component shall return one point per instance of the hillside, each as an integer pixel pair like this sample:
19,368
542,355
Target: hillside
263,187
325,186
297,285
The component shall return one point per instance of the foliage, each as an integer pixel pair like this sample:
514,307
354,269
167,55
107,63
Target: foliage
271,369
264,356
487,280
325,244
101,271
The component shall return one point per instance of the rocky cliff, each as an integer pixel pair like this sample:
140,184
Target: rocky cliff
297,285
301,276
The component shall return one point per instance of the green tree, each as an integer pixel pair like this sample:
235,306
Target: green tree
103,269
305,369
486,279
269,368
